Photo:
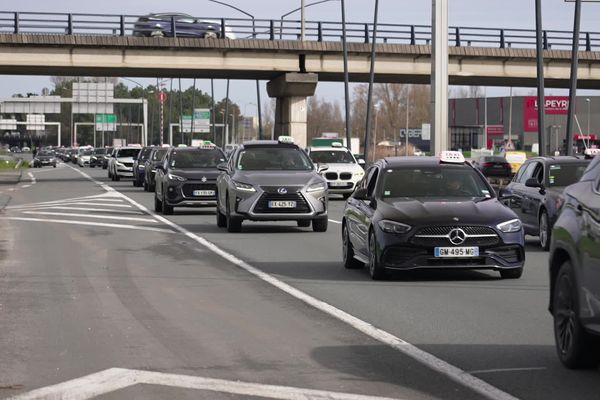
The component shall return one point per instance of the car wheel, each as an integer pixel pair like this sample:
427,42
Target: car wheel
544,231
513,273
348,251
92,166
166,208
573,344
376,271
157,204
221,218
320,224
346,195
117,177
303,223
104,167
157,33
152,187
145,186
210,35
234,224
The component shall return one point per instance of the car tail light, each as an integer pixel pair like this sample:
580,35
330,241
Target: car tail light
488,164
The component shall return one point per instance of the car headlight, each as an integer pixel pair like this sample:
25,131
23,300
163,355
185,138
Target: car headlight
119,164
316,187
514,225
394,227
176,177
359,174
244,187
141,166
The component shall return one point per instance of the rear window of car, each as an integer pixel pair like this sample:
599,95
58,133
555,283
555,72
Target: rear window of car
565,174
100,151
494,159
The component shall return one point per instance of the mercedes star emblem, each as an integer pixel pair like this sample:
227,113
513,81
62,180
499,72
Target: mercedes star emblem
282,190
457,236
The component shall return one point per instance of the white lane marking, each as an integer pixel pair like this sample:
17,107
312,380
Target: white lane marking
33,181
335,222
88,223
83,209
114,379
491,371
88,203
450,371
25,186
11,189
91,216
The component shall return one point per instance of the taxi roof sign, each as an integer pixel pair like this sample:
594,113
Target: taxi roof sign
591,153
182,145
453,157
336,144
285,139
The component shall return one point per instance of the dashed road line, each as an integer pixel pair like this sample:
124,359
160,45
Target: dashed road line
94,224
90,216
434,363
57,207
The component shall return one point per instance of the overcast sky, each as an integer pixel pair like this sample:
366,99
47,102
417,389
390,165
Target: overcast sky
557,14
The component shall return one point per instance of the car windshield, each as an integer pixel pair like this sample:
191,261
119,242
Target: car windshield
128,152
45,153
146,153
100,151
158,154
446,181
87,152
196,158
565,174
331,157
274,158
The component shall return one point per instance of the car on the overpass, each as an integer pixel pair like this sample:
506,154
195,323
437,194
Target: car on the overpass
139,165
271,180
575,272
426,213
155,159
120,164
187,26
187,178
44,158
535,193
344,171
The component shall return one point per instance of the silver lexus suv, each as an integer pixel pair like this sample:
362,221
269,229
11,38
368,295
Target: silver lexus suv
268,180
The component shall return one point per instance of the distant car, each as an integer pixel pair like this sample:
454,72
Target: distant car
25,149
429,212
155,159
343,172
268,180
120,163
535,193
98,157
15,149
161,25
575,272
139,166
493,166
44,158
187,178
84,155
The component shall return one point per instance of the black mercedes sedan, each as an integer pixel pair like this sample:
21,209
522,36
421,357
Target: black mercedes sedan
535,193
187,178
575,272
428,212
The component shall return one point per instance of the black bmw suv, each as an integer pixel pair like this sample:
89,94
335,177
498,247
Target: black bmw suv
187,178
575,272
428,212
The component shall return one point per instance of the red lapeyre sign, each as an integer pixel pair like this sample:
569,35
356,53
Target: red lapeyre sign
553,105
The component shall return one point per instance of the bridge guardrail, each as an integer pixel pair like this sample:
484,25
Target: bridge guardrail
36,23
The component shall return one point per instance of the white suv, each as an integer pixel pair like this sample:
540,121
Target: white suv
120,164
344,171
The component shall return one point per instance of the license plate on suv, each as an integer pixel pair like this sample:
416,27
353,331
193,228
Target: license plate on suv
457,251
337,184
203,193
282,204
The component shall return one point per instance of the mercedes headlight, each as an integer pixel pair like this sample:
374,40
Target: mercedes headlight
244,187
316,187
514,225
176,177
394,227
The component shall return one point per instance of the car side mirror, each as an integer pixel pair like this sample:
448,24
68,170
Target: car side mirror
361,161
322,167
222,167
533,183
505,194
360,194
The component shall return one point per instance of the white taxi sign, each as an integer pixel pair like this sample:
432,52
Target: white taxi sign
336,144
591,152
285,139
454,157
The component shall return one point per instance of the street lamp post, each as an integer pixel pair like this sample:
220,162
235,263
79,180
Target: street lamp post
301,8
588,101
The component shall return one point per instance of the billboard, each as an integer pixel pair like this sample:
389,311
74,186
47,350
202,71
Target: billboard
553,105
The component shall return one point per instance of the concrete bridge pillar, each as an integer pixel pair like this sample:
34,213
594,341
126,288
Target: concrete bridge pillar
291,90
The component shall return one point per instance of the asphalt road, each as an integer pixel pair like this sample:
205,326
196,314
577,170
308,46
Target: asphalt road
90,280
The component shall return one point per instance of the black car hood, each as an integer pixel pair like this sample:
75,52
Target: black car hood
277,178
445,211
197,174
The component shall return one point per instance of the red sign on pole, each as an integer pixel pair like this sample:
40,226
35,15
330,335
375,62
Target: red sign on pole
162,96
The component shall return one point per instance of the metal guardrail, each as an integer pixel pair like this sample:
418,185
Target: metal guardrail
35,23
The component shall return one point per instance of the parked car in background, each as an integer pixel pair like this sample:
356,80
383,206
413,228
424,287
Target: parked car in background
25,149
120,163
155,159
180,25
139,165
535,193
493,166
44,158
575,272
15,149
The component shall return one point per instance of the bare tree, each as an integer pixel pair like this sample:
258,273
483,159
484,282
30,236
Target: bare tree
323,116
466,92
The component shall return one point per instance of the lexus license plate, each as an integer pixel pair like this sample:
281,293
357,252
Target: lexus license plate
282,204
457,251
203,193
